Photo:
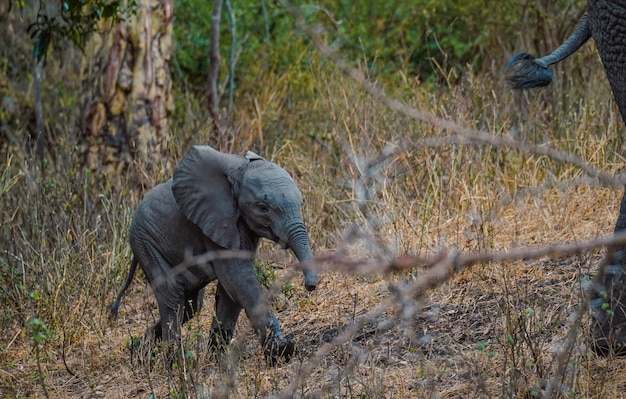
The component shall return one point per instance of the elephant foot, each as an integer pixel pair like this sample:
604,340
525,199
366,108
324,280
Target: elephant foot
279,349
608,310
220,339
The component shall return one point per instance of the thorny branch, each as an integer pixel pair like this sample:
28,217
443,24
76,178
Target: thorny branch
461,260
437,270
437,274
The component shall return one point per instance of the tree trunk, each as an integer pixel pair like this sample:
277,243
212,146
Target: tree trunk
127,91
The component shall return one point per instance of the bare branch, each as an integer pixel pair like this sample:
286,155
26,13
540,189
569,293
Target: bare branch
39,118
266,23
201,260
231,57
462,261
439,269
214,66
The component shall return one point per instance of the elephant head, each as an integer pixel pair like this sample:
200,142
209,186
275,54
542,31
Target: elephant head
215,190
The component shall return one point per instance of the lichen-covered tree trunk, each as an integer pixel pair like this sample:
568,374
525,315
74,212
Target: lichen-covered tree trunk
127,91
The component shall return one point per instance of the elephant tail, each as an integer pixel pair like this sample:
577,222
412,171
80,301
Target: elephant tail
131,274
523,71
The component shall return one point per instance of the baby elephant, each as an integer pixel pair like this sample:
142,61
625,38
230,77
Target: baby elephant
217,202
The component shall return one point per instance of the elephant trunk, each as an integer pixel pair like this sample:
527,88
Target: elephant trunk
298,241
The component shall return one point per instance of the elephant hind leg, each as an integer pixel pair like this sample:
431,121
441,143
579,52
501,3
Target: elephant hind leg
171,299
194,300
154,332
175,309
226,315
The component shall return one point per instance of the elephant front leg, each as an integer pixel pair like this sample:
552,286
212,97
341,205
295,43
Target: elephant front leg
278,346
239,288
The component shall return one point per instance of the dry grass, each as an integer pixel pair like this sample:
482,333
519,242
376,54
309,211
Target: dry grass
492,330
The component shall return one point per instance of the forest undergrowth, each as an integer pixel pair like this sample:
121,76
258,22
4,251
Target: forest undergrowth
372,195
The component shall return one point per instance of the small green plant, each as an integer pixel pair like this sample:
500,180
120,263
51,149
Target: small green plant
287,289
38,332
265,273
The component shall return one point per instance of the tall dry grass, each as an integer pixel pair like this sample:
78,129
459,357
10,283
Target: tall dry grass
491,330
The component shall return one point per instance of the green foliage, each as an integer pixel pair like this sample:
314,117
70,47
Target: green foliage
264,37
73,20
38,331
432,40
420,37
265,273
192,28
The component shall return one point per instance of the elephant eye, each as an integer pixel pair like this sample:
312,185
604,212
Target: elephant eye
262,207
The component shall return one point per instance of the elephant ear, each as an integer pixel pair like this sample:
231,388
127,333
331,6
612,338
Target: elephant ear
251,156
204,194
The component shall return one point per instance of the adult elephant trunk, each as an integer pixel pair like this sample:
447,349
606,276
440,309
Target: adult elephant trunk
298,242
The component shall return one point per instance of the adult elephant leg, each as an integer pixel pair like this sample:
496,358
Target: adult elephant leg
620,224
608,304
608,28
240,283
615,280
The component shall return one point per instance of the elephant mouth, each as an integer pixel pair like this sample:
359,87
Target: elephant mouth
284,244
276,238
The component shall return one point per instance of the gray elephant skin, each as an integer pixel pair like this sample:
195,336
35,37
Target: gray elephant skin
605,21
217,201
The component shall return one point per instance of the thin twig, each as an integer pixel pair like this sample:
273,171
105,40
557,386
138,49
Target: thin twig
344,264
201,260
39,118
266,23
231,57
214,66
